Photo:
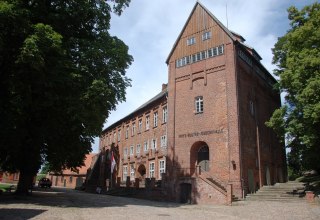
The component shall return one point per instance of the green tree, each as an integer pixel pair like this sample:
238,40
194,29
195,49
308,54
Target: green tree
297,56
61,73
45,168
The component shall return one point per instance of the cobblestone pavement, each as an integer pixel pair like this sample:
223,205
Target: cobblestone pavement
70,204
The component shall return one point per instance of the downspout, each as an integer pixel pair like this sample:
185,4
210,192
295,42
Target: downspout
238,115
258,144
239,118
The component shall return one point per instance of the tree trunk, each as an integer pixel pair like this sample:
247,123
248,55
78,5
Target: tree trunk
29,164
25,182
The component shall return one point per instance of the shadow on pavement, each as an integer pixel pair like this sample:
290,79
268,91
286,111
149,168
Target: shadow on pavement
62,197
19,213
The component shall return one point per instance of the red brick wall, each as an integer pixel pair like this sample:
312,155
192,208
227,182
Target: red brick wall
67,181
225,82
255,136
144,157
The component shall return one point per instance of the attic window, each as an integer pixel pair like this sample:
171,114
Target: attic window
191,41
206,35
205,54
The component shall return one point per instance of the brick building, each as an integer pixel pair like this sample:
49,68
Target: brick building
71,179
12,178
141,138
206,130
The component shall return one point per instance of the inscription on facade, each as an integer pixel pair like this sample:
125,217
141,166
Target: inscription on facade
201,133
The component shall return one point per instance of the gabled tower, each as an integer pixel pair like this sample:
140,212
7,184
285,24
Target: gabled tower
216,84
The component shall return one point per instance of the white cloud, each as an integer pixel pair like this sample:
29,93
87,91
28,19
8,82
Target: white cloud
151,27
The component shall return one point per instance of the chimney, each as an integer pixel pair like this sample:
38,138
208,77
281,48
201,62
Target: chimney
164,86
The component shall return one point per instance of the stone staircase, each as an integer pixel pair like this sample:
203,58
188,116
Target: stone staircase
291,191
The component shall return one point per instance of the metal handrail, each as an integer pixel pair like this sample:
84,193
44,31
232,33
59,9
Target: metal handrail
216,183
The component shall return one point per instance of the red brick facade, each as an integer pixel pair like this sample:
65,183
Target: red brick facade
218,98
71,179
9,177
141,138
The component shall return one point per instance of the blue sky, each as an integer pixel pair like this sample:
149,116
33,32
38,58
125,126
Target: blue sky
150,28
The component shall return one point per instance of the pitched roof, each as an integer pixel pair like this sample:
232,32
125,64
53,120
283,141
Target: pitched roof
82,170
160,95
233,35
228,32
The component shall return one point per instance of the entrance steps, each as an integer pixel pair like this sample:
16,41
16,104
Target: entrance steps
291,191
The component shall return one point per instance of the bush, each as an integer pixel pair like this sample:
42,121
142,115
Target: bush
39,176
292,175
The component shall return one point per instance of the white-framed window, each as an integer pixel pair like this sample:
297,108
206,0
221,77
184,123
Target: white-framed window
215,51
162,167
220,50
140,126
114,137
187,58
154,144
164,114
110,139
125,172
193,58
145,146
191,41
119,135
198,56
199,104
147,122
204,55
151,169
164,141
183,61
206,35
132,171
131,150
155,119
125,152
178,63
138,149
210,52
127,132
133,131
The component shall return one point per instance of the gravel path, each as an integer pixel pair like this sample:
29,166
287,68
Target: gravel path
68,204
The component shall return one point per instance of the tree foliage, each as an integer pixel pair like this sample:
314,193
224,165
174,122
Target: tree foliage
297,56
61,73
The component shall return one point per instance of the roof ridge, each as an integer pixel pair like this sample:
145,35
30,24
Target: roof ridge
229,33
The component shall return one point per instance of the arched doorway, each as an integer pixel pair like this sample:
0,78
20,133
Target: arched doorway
203,157
199,156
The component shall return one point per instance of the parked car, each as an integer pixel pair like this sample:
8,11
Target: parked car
44,182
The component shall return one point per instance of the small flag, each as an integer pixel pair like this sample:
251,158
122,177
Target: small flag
113,163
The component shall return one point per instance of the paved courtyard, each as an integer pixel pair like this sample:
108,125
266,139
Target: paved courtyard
69,204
